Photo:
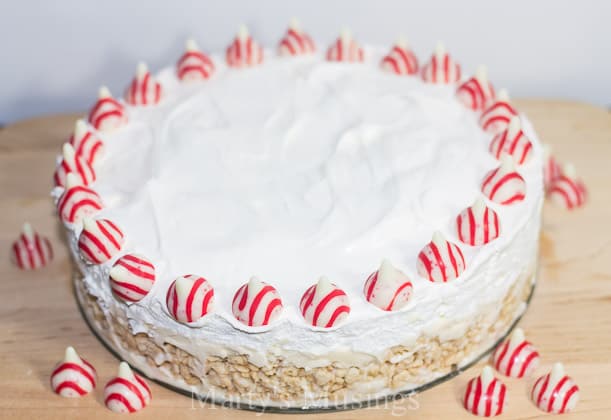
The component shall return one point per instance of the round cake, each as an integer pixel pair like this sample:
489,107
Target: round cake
302,229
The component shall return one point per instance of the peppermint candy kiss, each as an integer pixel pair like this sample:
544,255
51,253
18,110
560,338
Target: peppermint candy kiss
567,190
477,225
345,49
401,59
31,250
194,64
86,144
77,201
190,298
243,51
513,142
100,240
296,41
388,288
477,93
107,114
73,376
132,277
485,395
74,164
504,185
256,303
144,89
516,357
127,392
551,167
440,260
324,304
555,392
497,116
441,68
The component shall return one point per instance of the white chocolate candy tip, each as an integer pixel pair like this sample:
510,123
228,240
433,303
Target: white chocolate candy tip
568,170
125,371
71,356
479,206
191,45
487,375
557,372
243,31
68,152
503,95
294,24
481,74
438,238
385,269
402,42
440,49
345,34
514,124
517,336
89,223
142,69
324,285
507,163
104,92
27,230
72,181
80,126
183,286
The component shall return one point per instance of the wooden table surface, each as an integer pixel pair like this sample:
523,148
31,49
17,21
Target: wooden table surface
569,319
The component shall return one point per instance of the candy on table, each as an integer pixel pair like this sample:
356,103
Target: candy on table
324,304
73,376
388,288
31,251
244,51
551,167
567,190
295,41
513,142
107,114
440,260
256,303
478,224
516,357
86,143
441,68
74,164
100,240
555,392
132,277
485,395
144,88
401,59
477,93
194,64
190,298
504,185
77,201
345,49
127,392
496,117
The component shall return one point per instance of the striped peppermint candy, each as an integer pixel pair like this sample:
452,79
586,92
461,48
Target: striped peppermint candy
551,167
345,49
324,304
107,114
295,41
256,303
516,357
132,277
75,164
100,240
513,142
194,64
86,144
477,225
555,392
440,260
127,392
388,288
485,395
401,59
31,250
496,117
73,376
244,51
441,69
477,93
190,298
504,185
144,88
567,190
77,201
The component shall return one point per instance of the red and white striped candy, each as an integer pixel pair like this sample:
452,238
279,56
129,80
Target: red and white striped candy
504,185
77,201
100,240
567,190
86,143
555,392
295,41
400,60
324,304
513,142
144,88
388,288
244,51
194,64
127,392
190,298
551,167
516,357
496,117
75,164
256,303
345,49
440,260
485,395
73,376
107,114
477,93
132,277
477,225
31,250
441,69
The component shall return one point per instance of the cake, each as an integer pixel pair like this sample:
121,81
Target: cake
300,228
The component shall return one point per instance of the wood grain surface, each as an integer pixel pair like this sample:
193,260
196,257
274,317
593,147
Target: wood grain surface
569,319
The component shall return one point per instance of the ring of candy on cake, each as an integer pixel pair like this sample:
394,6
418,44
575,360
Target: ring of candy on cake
555,392
485,395
127,392
31,250
516,357
302,169
73,376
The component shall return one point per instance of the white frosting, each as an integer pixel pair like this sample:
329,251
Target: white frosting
298,169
